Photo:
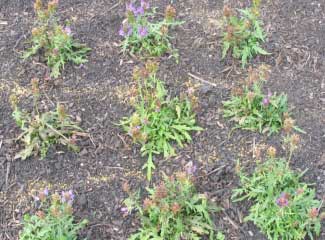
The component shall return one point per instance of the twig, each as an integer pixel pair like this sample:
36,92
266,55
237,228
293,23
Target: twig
231,221
7,174
114,6
213,171
202,80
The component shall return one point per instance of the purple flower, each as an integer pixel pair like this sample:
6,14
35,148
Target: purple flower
125,31
266,101
139,11
143,31
130,7
46,192
36,198
190,168
124,210
67,197
67,30
145,4
283,200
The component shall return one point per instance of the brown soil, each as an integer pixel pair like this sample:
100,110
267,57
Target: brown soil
296,33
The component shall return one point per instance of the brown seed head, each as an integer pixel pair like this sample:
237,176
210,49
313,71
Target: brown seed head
55,211
175,208
288,124
300,191
271,152
164,30
161,192
40,214
147,204
295,139
313,213
55,198
35,88
52,5
38,5
181,177
250,96
227,11
61,111
152,66
13,100
126,187
170,13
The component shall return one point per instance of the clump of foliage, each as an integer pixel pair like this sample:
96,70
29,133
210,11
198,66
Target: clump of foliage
243,35
142,35
173,210
41,130
283,206
53,40
158,121
253,110
53,218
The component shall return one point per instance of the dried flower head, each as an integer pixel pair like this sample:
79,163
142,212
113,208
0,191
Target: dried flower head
300,191
283,200
227,11
175,208
182,177
250,96
147,204
237,91
38,5
35,31
152,66
313,213
170,13
52,5
61,111
271,152
55,211
55,198
253,76
161,192
288,124
126,187
35,88
264,71
295,139
164,30
40,214
43,194
13,100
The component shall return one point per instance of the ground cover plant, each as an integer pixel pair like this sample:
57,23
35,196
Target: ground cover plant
283,207
40,130
294,36
145,35
54,41
253,110
53,219
244,34
158,121
173,210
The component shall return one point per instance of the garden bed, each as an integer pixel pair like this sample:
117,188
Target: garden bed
295,37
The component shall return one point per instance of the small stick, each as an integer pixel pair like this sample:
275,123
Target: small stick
202,80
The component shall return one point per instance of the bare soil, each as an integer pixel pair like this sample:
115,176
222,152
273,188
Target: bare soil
296,39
